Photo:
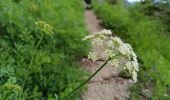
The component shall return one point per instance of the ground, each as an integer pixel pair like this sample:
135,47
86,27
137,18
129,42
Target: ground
107,84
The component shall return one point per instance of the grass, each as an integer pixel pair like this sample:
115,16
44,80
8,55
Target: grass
148,38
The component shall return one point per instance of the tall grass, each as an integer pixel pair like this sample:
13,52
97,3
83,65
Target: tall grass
146,34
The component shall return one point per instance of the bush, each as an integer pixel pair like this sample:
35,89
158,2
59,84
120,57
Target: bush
113,17
55,62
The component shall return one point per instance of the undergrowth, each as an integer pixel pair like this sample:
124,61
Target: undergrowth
54,71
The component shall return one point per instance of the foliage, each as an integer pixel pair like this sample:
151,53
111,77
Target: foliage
146,34
54,62
158,9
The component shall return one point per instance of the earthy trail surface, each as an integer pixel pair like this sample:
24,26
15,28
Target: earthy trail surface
106,85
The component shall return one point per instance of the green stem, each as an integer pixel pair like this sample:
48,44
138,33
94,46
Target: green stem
39,41
30,64
82,84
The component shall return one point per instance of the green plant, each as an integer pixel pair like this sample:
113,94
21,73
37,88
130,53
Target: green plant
54,68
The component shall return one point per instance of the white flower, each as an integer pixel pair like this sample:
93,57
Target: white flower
114,62
135,65
117,40
134,76
92,56
109,53
98,41
129,46
134,59
134,55
126,50
110,44
129,66
102,36
133,68
106,32
123,49
114,48
88,37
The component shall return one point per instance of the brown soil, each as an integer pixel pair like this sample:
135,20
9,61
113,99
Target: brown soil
106,85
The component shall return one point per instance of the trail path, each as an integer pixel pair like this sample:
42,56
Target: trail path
106,85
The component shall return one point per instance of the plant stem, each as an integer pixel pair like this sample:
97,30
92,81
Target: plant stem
30,64
83,83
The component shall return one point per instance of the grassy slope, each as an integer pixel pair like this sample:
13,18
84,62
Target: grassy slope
55,67
146,36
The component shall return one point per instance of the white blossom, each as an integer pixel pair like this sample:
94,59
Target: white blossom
112,48
98,41
114,62
117,40
133,68
134,76
106,31
92,56
134,56
129,66
88,37
110,44
109,53
124,49
135,65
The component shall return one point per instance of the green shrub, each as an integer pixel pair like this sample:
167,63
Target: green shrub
113,17
55,62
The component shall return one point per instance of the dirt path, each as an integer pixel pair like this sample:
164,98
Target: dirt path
106,85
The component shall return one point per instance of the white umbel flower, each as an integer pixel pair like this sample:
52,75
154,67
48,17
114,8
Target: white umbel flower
104,31
117,40
114,48
110,44
97,41
92,56
133,68
134,56
109,53
88,37
135,65
114,62
124,49
129,67
134,76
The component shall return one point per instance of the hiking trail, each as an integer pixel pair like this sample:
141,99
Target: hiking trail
106,85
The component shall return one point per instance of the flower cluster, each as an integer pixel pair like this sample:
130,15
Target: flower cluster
44,27
12,86
114,47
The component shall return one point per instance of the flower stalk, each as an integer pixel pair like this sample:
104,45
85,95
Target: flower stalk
46,29
87,80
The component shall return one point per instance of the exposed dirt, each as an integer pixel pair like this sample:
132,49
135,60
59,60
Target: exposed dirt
106,85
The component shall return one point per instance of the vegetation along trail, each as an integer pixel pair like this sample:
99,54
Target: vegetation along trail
107,84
